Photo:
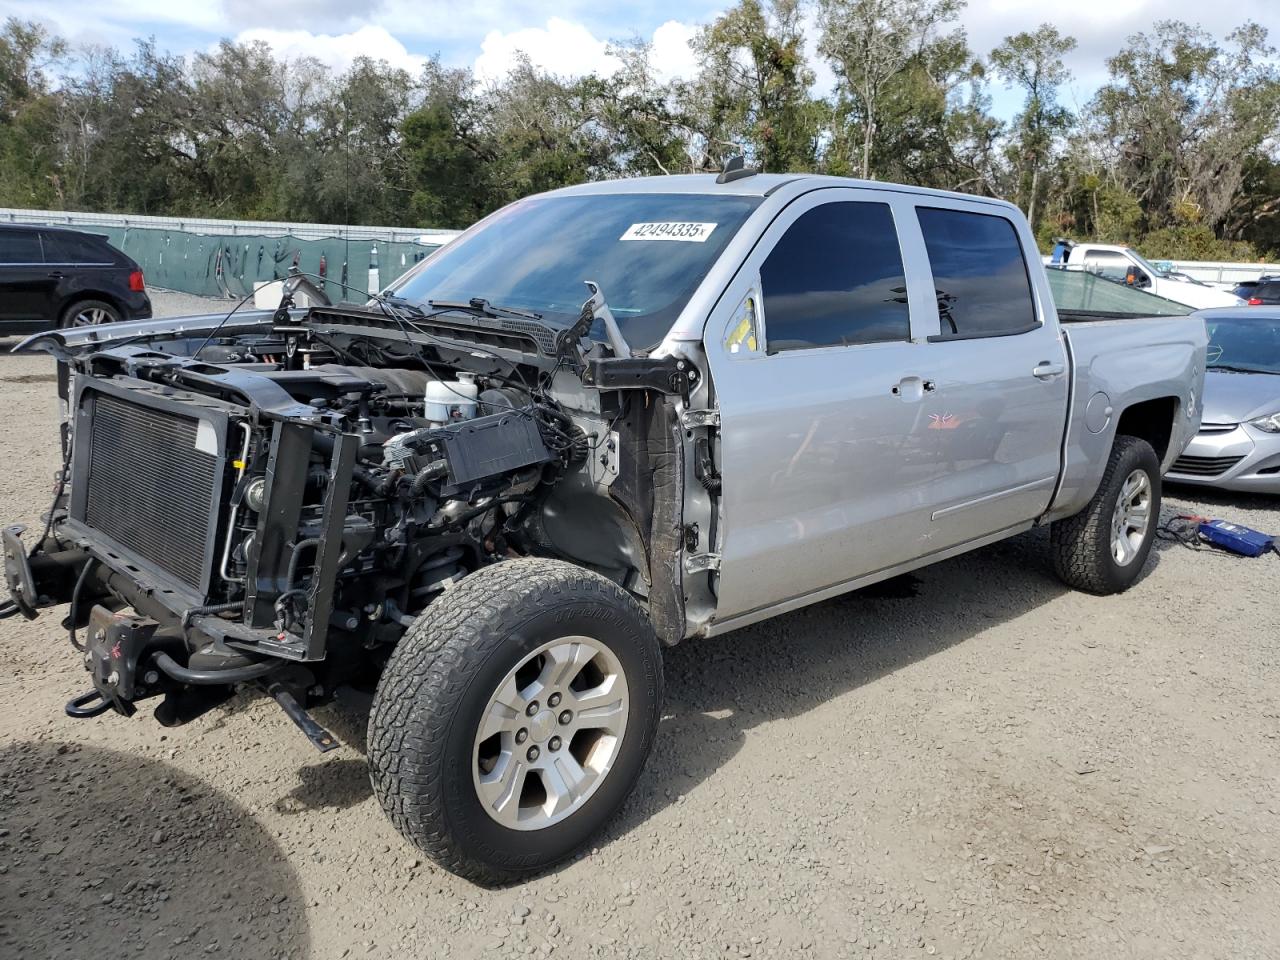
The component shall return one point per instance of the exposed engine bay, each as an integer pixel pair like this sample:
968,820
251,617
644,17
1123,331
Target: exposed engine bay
277,500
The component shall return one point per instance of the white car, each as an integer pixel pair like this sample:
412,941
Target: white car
1126,265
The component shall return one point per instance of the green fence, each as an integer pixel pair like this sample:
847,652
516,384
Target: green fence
214,265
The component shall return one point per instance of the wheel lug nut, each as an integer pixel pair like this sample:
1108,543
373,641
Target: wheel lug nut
522,735
553,743
553,700
531,709
533,754
566,716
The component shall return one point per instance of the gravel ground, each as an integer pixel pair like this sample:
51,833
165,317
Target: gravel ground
971,762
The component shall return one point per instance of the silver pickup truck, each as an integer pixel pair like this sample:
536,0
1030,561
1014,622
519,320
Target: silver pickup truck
603,420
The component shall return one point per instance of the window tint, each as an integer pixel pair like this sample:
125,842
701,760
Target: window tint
835,278
62,247
1266,290
19,246
979,273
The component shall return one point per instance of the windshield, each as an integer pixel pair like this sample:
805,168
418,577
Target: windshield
1146,264
648,252
1249,344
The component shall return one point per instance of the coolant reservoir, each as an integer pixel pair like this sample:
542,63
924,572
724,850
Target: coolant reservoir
450,400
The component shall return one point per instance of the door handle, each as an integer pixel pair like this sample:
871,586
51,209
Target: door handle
912,388
1046,370
57,275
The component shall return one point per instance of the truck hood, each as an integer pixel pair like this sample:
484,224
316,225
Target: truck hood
72,339
1195,295
1237,397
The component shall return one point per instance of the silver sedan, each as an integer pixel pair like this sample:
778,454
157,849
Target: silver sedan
1238,446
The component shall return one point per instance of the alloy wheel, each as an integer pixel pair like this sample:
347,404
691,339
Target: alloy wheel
550,733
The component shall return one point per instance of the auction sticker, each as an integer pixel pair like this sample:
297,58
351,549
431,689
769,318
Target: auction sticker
669,230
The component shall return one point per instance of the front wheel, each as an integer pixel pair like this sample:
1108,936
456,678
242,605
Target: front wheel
1103,548
514,718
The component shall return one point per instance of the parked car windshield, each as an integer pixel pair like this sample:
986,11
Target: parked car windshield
1245,344
647,251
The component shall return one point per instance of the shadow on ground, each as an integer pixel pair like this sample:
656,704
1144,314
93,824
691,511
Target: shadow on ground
720,688
106,854
717,689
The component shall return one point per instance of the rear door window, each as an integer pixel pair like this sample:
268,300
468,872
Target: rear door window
979,274
835,278
62,247
19,247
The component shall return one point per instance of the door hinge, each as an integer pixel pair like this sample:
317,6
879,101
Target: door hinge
701,562
700,418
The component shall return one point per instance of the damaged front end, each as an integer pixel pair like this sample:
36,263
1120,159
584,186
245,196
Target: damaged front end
273,501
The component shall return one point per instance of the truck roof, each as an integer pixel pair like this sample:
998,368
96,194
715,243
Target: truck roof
755,185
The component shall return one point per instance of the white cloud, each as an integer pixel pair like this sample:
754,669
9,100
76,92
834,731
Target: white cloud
673,57
569,49
561,48
338,51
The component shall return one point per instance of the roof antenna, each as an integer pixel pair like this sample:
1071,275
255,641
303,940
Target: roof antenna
736,169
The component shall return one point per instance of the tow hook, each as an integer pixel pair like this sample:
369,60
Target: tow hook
91,703
320,738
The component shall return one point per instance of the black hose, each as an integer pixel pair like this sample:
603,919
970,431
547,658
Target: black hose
74,611
433,471
222,676
294,562
8,609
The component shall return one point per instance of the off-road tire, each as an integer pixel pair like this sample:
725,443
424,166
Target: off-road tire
110,313
1081,544
437,685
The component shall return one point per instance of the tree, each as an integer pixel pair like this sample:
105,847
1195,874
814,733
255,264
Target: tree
1182,115
639,115
870,43
28,112
1033,63
754,86
448,152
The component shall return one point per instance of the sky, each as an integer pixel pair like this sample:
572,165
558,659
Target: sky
570,37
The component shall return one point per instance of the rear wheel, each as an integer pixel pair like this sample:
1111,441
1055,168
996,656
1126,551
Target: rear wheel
1104,547
514,717
89,313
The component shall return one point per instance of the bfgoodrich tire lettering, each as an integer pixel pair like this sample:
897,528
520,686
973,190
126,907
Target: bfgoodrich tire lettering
440,680
1083,546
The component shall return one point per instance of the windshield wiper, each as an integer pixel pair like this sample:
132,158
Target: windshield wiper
400,303
1232,368
483,308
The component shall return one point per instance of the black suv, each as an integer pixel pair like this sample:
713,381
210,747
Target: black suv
52,277
1266,291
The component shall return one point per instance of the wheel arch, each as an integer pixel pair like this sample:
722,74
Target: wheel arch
81,296
1150,420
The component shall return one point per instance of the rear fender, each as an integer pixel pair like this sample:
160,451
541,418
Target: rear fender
1116,366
